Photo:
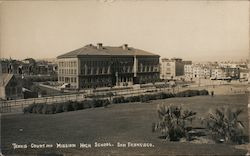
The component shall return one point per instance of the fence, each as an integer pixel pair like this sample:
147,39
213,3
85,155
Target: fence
18,105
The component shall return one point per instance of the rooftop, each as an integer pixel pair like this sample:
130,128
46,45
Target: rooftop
4,79
106,51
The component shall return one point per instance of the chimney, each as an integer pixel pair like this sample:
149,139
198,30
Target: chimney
125,46
99,45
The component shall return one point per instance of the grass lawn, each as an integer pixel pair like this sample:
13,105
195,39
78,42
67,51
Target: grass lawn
130,122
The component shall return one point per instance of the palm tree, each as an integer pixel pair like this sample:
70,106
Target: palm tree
173,122
225,126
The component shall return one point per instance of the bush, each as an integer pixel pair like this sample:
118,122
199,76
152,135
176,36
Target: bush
77,105
224,125
120,99
29,108
190,93
67,106
133,99
44,110
170,95
101,102
59,108
105,103
87,104
161,95
173,121
204,92
151,96
38,108
145,98
50,109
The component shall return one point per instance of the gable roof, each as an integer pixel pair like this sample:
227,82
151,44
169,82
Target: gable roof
4,79
106,51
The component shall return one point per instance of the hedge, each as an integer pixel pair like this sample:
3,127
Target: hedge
190,93
161,95
73,106
43,108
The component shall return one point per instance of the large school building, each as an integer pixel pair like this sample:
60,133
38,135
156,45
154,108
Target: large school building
105,66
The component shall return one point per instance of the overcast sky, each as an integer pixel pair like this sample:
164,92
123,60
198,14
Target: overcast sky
192,30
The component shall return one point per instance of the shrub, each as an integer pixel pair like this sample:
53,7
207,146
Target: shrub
151,96
54,108
224,125
29,108
173,121
204,92
105,103
44,110
38,108
67,106
59,108
133,99
101,103
77,105
170,95
50,109
120,99
145,98
88,104
190,93
161,95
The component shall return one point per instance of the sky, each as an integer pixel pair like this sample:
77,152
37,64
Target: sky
191,30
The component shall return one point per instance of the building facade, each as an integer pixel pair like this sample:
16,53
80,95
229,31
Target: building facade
171,68
104,66
244,74
225,73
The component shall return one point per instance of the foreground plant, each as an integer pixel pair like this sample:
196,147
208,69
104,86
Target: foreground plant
173,122
225,126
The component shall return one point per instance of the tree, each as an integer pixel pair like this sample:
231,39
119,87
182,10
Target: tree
225,126
173,122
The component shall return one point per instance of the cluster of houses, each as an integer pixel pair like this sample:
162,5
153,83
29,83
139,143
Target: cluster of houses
217,71
28,66
13,71
174,68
